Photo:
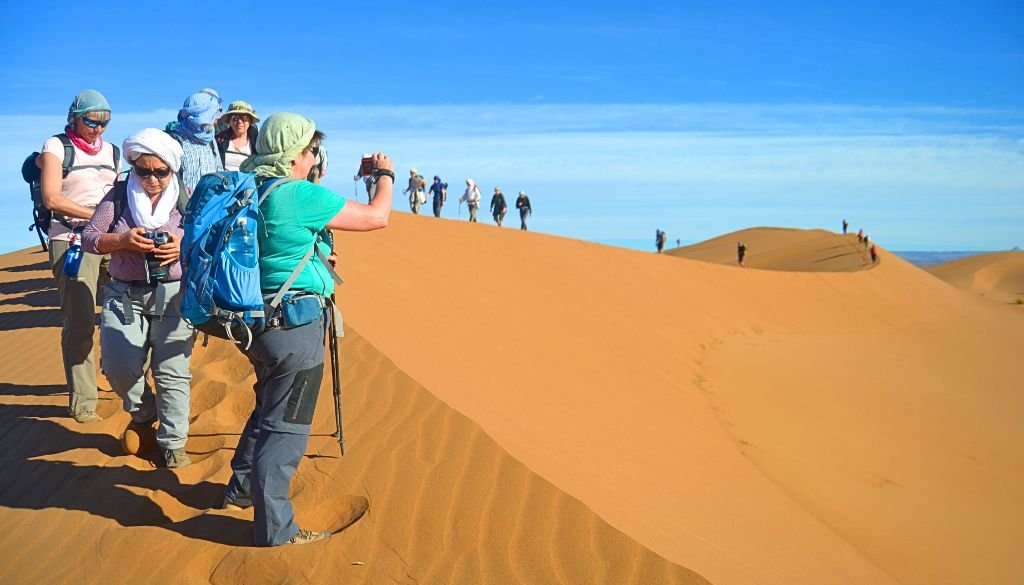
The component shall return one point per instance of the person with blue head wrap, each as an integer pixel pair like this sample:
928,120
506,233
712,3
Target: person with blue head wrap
195,130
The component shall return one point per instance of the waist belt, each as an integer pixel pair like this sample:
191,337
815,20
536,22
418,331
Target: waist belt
158,303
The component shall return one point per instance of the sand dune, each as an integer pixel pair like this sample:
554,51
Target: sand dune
524,408
787,249
445,504
997,275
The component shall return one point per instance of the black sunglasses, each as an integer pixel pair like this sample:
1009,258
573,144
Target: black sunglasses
158,173
95,123
316,151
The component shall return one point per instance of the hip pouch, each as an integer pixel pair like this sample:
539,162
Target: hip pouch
300,309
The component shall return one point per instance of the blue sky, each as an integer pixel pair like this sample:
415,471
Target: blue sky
698,118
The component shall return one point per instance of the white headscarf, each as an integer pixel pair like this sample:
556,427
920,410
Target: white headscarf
167,149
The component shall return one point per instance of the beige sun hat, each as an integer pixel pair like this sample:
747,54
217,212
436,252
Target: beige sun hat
241,107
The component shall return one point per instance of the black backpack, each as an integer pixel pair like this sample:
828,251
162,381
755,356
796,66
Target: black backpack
41,216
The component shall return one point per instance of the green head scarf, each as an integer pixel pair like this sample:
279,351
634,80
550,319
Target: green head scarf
282,137
89,100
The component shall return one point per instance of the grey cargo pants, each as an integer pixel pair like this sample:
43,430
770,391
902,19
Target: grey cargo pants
289,366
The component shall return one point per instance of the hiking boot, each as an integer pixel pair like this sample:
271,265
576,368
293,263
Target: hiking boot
176,458
308,536
86,416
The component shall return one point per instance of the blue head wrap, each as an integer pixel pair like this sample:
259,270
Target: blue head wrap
197,115
89,100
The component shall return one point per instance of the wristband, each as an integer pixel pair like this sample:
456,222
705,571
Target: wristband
378,173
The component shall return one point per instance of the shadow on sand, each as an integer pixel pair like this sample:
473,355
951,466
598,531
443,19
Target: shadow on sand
35,478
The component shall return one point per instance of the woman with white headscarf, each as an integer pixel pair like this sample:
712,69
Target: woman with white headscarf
140,318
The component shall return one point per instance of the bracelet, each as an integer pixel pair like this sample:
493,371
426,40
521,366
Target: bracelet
378,173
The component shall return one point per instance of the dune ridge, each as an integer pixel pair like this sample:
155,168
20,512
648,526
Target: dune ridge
443,502
786,249
996,275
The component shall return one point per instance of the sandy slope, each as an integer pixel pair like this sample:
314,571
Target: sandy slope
997,275
587,362
525,408
783,249
446,503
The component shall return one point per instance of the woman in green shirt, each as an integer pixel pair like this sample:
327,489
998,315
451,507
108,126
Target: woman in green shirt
289,358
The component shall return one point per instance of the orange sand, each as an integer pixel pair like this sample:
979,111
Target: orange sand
997,275
523,408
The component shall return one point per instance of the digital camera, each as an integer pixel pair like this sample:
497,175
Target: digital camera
157,272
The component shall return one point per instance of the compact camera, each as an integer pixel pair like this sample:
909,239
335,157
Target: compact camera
366,165
157,272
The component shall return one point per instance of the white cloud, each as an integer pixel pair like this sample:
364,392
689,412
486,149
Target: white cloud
611,171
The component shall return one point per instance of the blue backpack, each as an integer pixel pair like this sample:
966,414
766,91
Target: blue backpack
220,257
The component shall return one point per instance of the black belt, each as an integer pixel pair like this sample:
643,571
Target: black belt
143,283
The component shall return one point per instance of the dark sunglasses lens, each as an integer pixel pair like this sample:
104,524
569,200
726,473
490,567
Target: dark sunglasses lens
315,150
95,123
158,173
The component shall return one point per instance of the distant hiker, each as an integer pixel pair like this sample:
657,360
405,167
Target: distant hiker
498,206
288,356
525,210
238,141
195,132
867,241
72,195
860,235
417,196
439,191
659,240
140,323
471,198
874,253
741,252
678,243
845,225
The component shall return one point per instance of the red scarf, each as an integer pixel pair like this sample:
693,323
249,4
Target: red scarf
80,142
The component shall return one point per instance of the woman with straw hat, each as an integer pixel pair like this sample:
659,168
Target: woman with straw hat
238,141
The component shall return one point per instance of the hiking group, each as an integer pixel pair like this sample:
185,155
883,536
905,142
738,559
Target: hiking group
204,231
438,191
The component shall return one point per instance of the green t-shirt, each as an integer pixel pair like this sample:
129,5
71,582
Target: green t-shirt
293,215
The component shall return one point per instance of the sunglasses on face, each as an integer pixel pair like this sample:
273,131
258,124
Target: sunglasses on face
95,123
158,173
316,151
240,118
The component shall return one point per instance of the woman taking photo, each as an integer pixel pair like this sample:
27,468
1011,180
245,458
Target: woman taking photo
238,142
140,315
289,357
71,197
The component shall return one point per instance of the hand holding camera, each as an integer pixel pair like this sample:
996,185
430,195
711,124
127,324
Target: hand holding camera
376,162
169,251
161,256
135,240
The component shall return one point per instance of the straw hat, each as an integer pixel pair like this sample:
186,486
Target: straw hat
241,107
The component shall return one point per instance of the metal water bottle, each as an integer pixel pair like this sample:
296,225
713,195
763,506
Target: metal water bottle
73,257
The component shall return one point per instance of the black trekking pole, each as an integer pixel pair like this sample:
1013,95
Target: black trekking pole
336,377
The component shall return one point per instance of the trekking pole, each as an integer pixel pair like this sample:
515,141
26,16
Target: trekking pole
336,377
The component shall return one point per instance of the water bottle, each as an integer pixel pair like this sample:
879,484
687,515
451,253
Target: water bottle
241,245
73,258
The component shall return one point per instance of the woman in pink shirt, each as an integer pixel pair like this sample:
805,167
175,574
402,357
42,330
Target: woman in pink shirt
72,196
